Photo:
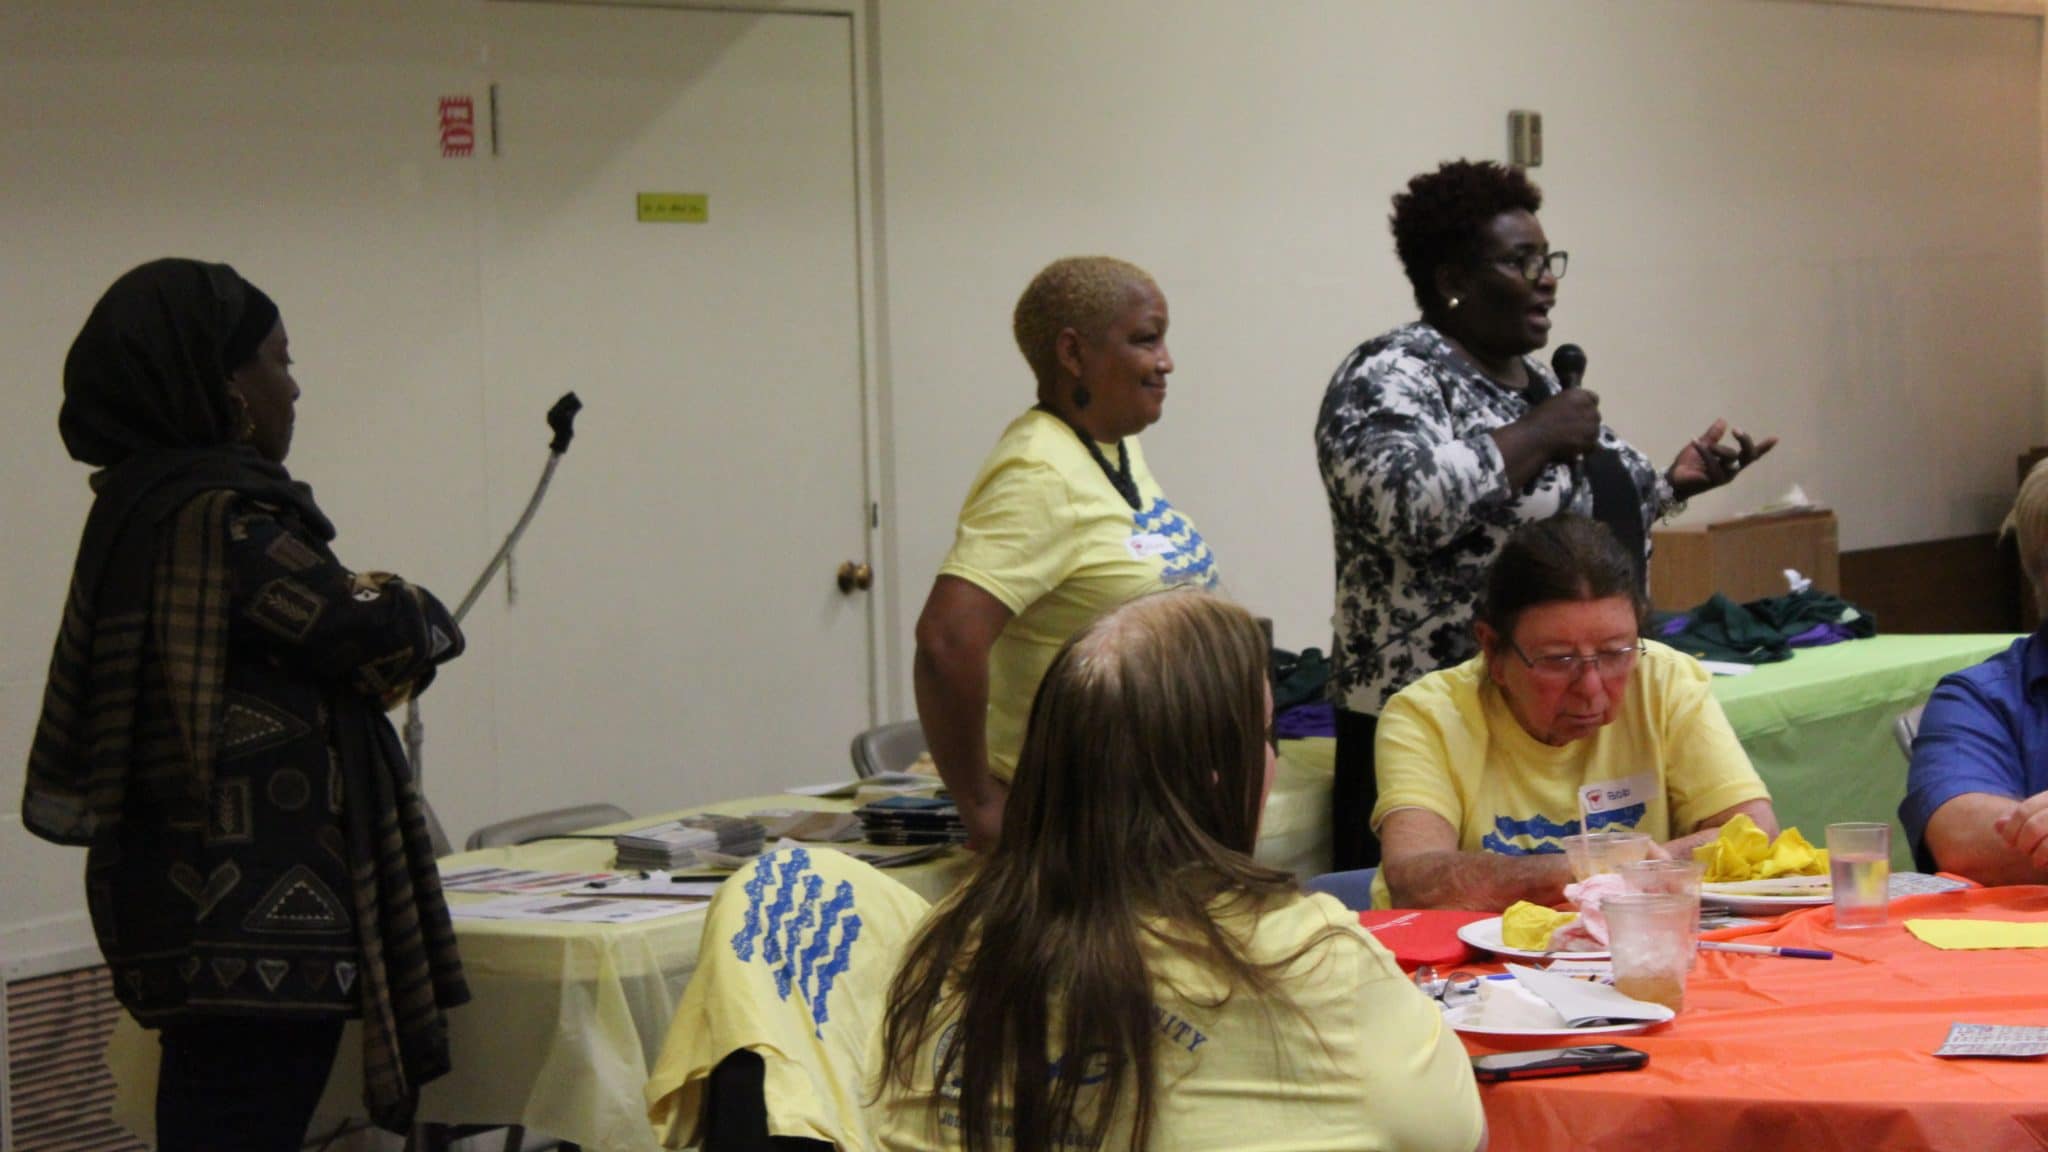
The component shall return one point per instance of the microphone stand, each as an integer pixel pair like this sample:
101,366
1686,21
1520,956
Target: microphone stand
561,418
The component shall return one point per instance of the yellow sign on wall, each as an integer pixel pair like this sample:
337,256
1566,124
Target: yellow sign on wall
674,208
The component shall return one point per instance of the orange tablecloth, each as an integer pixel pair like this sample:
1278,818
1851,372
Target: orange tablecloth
1810,1055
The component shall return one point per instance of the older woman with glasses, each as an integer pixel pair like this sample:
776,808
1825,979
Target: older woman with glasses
1439,438
1567,721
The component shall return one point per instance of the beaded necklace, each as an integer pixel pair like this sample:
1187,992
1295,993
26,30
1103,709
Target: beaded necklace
1119,476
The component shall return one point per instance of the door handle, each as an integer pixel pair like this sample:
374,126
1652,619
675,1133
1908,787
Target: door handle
852,576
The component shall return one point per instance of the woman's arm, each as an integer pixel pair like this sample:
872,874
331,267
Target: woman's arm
1709,830
958,627
1424,868
1419,1090
369,633
1394,462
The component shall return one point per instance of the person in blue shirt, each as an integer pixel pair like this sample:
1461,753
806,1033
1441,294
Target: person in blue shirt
1977,791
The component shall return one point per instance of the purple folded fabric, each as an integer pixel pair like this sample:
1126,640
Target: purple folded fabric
1306,720
1821,634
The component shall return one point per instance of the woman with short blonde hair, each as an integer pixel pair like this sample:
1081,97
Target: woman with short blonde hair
1063,521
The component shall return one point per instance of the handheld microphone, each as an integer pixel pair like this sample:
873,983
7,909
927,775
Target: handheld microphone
1569,362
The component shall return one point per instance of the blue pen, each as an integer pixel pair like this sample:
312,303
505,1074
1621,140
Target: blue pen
1767,950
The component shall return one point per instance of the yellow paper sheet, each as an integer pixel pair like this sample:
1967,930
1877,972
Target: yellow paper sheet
1955,935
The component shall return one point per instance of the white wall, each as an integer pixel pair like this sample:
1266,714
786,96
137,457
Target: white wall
1820,221
1824,221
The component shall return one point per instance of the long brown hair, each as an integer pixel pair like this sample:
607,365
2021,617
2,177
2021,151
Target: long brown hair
1134,811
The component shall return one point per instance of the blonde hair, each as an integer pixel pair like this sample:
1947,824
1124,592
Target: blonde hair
2028,520
1136,799
1085,293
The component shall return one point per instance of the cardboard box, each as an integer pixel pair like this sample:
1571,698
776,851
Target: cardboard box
1743,559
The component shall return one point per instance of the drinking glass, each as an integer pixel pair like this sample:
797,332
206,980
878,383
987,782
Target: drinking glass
1650,935
1672,877
1860,868
1591,853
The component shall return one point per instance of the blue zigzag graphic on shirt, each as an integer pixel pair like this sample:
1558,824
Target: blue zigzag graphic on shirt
1539,835
798,861
1191,561
757,886
813,885
780,925
829,974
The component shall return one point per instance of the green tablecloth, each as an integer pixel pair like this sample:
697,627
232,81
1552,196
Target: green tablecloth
1818,727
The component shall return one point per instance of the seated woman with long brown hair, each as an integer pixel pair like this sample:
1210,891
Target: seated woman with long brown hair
1120,973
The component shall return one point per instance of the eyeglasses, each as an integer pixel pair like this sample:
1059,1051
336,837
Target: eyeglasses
1565,667
1533,265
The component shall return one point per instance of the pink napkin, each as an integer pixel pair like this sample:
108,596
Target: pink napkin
1589,932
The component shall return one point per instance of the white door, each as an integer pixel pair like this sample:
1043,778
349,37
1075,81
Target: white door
678,634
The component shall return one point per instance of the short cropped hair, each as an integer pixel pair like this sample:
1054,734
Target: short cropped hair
1438,219
2028,521
1085,293
1566,558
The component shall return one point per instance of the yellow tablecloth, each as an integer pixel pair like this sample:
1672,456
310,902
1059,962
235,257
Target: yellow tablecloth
566,1020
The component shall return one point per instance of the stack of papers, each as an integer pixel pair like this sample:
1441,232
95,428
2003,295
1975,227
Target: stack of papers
912,820
486,878
804,824
684,843
569,909
880,784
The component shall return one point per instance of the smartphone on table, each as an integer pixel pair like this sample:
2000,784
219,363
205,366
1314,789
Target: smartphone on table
1558,1062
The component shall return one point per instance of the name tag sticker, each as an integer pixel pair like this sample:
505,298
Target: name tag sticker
1145,545
1608,795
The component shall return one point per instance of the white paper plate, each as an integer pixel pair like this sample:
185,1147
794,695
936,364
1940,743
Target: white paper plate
1485,936
1756,904
1458,1018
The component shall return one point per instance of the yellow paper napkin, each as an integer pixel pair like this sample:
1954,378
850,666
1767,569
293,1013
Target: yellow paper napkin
1956,935
1528,926
1743,852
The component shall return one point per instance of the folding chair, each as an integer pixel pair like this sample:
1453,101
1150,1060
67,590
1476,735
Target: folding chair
888,748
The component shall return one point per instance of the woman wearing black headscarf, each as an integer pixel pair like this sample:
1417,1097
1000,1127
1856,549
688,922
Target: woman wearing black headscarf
259,868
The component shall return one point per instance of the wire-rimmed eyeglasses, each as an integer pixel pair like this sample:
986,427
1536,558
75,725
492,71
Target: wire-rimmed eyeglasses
1566,667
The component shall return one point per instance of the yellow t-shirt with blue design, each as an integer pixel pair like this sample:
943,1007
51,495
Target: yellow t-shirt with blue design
1449,744
1045,532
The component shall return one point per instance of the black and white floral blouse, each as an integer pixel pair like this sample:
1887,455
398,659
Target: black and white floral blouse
1420,503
